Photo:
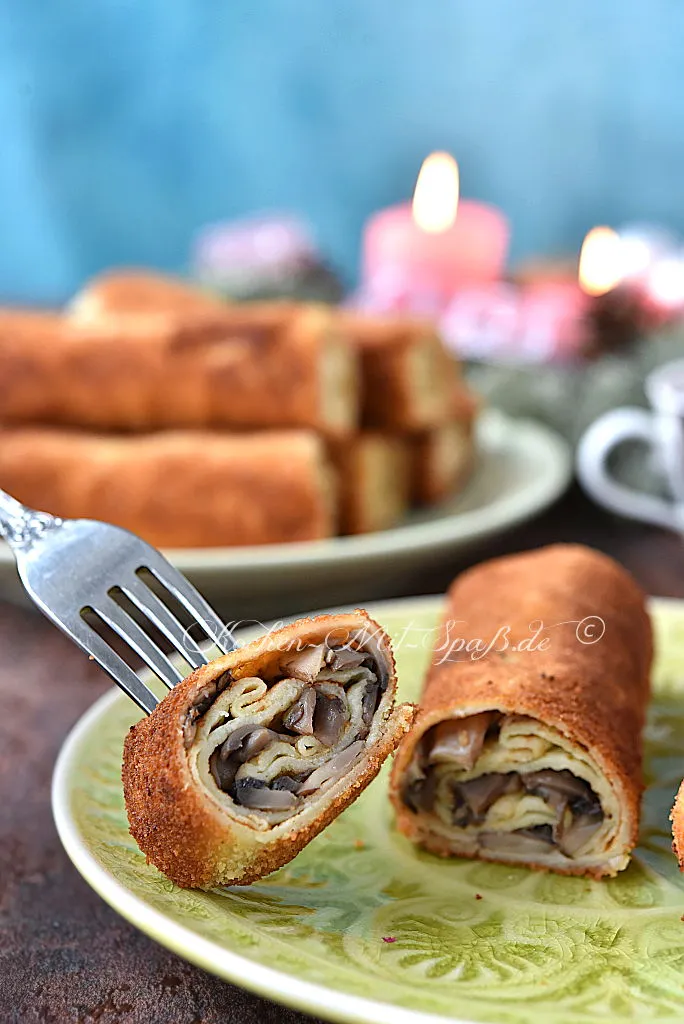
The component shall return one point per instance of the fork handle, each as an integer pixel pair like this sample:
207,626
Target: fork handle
21,525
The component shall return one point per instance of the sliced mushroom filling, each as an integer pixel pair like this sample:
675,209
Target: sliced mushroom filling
461,774
268,745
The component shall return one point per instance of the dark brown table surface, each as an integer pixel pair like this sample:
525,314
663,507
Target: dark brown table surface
64,955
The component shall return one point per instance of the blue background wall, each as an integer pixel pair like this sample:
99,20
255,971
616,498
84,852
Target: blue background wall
127,123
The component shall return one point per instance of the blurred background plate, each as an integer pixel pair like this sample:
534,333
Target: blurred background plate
522,468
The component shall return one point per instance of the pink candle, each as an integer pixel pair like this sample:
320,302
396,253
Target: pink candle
437,244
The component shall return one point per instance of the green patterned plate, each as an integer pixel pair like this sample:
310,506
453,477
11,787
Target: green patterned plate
362,927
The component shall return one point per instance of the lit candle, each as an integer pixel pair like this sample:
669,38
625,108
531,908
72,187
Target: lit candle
601,261
437,244
616,312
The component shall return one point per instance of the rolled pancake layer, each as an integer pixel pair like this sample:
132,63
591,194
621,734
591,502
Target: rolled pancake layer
178,488
443,457
528,752
442,462
407,374
374,477
276,365
251,756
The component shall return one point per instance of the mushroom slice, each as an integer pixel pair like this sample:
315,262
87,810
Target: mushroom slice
461,815
376,645
243,743
563,782
369,702
332,769
480,793
300,716
527,842
329,719
287,782
342,658
223,771
246,741
420,793
578,833
256,794
542,833
306,664
459,741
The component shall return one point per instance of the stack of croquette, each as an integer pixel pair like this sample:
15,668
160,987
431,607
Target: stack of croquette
196,423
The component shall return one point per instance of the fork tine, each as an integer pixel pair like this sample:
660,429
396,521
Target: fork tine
129,631
146,601
124,676
192,601
61,561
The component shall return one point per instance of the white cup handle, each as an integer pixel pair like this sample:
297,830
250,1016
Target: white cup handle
592,456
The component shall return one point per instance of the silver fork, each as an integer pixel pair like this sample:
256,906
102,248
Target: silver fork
74,569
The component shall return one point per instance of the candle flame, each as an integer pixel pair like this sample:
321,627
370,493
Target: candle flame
435,199
601,261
